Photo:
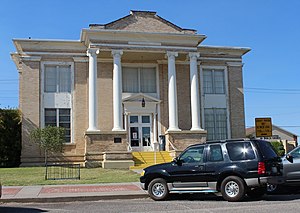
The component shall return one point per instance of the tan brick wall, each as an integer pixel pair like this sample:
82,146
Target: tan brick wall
236,102
80,108
163,86
183,139
30,108
183,96
105,96
142,23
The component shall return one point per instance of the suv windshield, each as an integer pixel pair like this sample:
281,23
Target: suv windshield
266,149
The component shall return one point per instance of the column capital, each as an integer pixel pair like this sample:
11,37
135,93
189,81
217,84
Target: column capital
172,54
117,53
194,55
92,51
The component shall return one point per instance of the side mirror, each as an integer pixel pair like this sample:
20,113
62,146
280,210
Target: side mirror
177,161
290,158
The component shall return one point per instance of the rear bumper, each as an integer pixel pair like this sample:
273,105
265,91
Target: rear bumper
275,180
256,182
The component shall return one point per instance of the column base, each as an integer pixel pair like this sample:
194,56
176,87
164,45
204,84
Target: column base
173,129
197,129
91,130
119,129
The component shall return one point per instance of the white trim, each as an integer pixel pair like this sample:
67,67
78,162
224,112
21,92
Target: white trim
28,53
81,59
144,43
124,46
31,58
42,81
235,64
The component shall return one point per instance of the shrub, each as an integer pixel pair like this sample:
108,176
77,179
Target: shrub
10,137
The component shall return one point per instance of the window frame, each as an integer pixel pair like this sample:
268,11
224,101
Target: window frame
58,121
42,92
215,122
140,67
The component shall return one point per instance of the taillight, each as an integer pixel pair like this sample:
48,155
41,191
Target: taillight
261,168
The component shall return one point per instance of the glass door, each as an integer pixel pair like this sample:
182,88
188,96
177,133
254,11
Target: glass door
140,131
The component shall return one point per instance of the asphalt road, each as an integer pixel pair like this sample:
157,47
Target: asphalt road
180,203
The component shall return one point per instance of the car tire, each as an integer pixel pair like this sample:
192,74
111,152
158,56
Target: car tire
257,192
233,188
158,189
273,189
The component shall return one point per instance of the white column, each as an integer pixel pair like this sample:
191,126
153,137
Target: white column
172,92
117,90
92,53
195,102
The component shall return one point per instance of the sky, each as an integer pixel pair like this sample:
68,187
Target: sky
271,28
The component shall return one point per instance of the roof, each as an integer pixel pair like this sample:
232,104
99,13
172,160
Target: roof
251,130
139,21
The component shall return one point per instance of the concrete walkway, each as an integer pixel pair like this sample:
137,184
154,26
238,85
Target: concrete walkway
65,193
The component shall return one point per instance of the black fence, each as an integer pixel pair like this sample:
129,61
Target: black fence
62,171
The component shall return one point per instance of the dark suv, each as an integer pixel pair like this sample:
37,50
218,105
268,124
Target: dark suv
232,167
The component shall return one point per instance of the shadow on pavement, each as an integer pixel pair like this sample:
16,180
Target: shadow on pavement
20,210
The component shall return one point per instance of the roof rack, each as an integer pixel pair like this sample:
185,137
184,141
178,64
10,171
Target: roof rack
228,140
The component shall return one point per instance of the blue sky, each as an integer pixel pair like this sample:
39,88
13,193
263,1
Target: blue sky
270,28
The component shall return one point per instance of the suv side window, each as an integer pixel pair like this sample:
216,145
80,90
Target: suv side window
215,153
193,155
240,151
296,153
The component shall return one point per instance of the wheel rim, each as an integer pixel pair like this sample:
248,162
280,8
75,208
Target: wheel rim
158,189
232,189
271,187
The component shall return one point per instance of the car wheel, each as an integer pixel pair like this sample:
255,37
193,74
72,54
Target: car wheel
158,189
233,188
272,188
257,192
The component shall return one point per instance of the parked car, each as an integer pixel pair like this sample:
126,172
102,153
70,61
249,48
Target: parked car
233,167
291,174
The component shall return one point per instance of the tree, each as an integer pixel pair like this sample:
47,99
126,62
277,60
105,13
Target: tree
50,139
10,137
279,148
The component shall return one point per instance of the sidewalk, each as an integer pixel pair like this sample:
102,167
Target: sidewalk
65,193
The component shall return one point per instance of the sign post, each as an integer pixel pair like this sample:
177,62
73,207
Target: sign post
263,127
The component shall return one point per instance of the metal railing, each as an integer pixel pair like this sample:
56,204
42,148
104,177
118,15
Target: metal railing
62,171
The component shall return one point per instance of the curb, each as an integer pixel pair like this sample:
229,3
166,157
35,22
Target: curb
72,199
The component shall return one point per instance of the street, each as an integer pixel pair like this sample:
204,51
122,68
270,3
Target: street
178,203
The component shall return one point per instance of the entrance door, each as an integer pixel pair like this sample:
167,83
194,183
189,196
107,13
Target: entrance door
140,131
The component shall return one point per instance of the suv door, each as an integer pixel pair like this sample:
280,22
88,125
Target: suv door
215,162
189,168
292,169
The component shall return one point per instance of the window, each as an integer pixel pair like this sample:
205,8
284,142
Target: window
296,153
193,155
59,117
240,151
215,121
213,81
57,78
215,153
137,80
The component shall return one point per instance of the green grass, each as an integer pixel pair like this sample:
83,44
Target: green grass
26,176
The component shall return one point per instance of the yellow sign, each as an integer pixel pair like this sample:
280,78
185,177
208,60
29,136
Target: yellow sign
263,127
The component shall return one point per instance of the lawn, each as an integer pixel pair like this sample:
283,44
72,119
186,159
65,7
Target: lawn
26,176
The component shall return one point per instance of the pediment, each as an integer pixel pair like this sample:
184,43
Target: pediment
139,97
143,21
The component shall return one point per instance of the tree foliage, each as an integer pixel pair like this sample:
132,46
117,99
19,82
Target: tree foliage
278,147
10,137
50,139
